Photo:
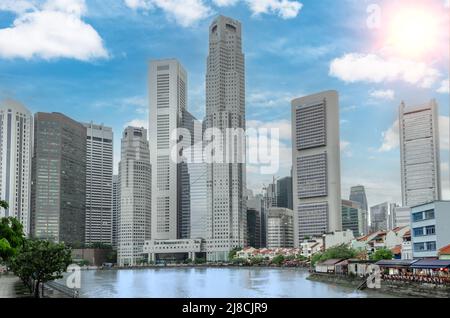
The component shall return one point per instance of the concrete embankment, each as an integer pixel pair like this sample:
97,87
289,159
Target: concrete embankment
395,288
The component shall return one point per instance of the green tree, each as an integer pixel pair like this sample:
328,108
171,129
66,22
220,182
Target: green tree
381,254
301,258
40,262
256,260
200,260
11,237
3,204
336,252
278,260
233,252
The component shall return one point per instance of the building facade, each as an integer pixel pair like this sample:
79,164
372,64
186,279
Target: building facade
419,153
99,184
280,228
284,193
316,165
382,216
358,194
254,228
59,179
135,196
16,150
402,216
225,109
430,225
115,210
352,217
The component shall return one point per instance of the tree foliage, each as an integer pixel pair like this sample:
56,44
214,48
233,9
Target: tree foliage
11,237
382,254
233,252
336,252
278,260
40,262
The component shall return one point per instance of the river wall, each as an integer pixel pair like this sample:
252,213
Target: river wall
395,288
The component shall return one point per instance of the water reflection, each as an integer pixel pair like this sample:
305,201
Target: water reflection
210,282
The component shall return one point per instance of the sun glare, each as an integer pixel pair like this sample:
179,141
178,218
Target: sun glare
413,32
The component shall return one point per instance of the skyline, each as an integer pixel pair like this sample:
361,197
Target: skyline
61,84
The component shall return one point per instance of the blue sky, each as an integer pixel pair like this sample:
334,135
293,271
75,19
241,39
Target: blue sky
88,59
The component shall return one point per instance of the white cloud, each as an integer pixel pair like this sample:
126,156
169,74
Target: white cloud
137,123
283,126
445,87
17,6
270,99
345,149
225,3
447,3
54,30
391,138
183,12
285,9
388,94
356,67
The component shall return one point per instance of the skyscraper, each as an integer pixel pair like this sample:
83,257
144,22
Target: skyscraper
16,147
254,228
358,194
284,193
316,165
351,217
382,217
280,228
419,153
225,109
99,173
115,209
135,196
59,178
171,185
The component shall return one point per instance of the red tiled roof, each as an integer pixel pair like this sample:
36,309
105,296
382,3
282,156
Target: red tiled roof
445,250
396,250
407,234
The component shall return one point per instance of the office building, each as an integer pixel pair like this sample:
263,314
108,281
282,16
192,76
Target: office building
284,193
358,194
430,225
402,216
316,165
254,228
382,216
59,179
352,217
256,203
115,210
16,150
99,173
135,196
280,228
225,109
419,153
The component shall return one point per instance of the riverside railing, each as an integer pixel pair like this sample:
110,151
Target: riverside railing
70,292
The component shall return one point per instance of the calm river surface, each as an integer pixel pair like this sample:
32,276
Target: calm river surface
210,283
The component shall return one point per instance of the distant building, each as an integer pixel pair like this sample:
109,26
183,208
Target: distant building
358,194
420,156
402,216
99,173
135,196
115,210
430,224
381,217
316,165
280,228
284,193
59,179
256,203
254,228
351,215
16,150
338,238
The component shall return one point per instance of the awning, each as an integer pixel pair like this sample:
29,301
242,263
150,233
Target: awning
431,264
395,263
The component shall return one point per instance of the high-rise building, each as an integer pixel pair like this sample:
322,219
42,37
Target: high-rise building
280,228
59,179
419,154
402,216
135,196
316,165
254,228
352,217
284,193
358,194
99,173
115,210
16,150
225,109
382,216
171,184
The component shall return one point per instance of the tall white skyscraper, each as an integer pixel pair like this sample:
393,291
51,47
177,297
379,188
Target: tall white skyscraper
115,210
225,108
419,154
16,150
316,165
135,196
170,185
99,173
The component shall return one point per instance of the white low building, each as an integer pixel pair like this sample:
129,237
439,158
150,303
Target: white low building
338,238
170,250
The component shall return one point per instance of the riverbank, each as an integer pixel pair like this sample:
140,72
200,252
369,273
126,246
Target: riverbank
395,288
12,287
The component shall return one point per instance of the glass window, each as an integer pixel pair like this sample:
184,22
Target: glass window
431,246
430,230
429,214
419,247
417,216
418,231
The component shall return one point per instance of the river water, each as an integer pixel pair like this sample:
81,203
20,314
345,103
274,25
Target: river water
228,282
